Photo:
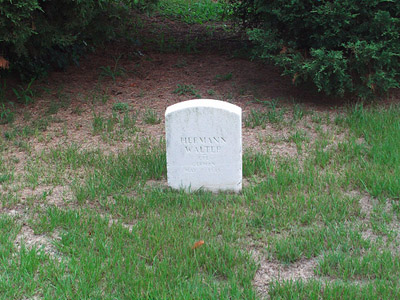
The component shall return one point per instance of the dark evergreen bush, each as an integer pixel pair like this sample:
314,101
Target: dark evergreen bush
36,35
343,46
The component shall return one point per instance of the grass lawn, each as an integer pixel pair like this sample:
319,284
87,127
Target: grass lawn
86,212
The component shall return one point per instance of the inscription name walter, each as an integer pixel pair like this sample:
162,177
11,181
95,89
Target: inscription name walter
197,144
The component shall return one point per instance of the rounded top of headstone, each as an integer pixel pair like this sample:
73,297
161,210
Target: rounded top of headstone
204,103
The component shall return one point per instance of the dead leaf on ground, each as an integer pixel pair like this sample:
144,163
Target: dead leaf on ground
4,63
198,244
295,77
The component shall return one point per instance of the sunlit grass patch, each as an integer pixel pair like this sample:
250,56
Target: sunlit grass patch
372,265
116,126
191,11
378,169
337,290
19,268
115,172
312,241
155,258
151,117
262,117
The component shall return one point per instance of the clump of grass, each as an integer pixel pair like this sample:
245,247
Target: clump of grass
96,97
211,92
5,177
184,89
120,106
262,118
255,118
114,71
55,106
374,264
98,123
101,123
129,121
34,128
224,77
298,112
116,125
316,118
117,172
6,114
312,241
26,94
151,117
299,137
256,164
41,124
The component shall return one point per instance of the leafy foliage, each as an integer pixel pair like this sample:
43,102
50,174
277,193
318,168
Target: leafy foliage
38,35
346,46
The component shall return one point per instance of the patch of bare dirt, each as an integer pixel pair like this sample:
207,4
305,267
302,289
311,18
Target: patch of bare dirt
367,204
53,195
157,183
150,81
112,221
269,271
60,196
15,213
29,239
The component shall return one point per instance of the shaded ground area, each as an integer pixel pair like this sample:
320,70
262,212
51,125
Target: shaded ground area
156,72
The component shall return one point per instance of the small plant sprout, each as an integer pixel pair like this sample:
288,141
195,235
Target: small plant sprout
112,72
98,123
184,89
151,117
298,112
255,118
120,106
25,94
6,115
224,77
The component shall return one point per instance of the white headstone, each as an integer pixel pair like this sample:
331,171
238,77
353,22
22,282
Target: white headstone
204,145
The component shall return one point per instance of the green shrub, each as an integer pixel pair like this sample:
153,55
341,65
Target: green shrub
37,35
345,46
143,5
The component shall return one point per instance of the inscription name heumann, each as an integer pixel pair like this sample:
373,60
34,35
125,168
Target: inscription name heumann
202,147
